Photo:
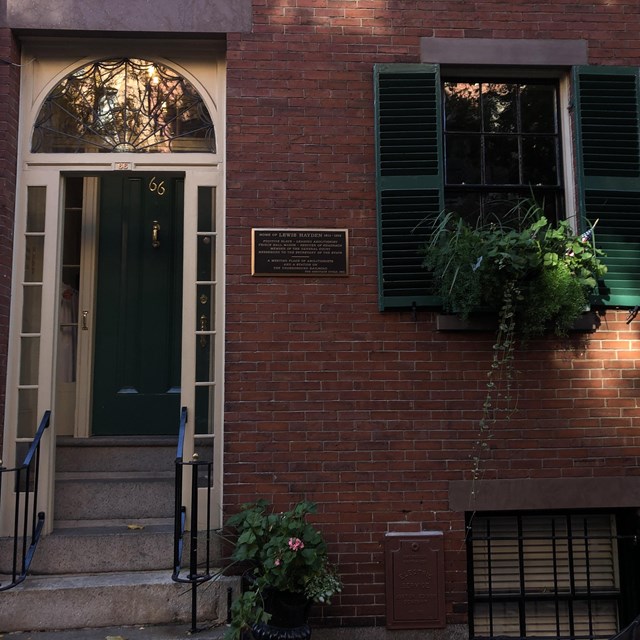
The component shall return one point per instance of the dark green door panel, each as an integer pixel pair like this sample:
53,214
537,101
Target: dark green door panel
136,384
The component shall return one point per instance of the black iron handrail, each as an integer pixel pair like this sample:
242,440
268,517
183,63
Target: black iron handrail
199,570
27,521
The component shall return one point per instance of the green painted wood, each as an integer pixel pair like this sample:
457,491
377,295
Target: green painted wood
608,162
136,384
409,177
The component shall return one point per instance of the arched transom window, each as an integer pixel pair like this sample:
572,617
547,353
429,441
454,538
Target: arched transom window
123,105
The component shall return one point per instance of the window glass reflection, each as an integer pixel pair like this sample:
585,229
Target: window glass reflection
538,108
462,106
501,145
463,159
123,105
500,107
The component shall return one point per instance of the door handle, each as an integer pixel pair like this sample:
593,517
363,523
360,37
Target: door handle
155,234
85,315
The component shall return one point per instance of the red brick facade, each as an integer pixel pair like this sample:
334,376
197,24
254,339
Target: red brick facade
372,414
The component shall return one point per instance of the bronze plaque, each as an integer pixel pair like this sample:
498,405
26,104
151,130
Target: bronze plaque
299,252
414,568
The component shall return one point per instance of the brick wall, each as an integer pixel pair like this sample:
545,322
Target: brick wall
372,414
9,90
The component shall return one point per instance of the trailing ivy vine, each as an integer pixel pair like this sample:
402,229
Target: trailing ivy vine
535,276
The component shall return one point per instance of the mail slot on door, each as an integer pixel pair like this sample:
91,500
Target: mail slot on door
414,576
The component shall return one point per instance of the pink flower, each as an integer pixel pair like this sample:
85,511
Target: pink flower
295,544
277,562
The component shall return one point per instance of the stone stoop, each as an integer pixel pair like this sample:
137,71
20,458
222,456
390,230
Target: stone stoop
110,557
107,599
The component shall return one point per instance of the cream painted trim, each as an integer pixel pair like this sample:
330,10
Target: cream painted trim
87,303
568,155
45,62
48,324
220,327
194,180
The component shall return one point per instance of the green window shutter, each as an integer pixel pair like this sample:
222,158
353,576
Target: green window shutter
608,158
409,179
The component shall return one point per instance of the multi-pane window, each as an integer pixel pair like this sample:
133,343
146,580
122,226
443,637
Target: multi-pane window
31,326
476,146
501,145
544,576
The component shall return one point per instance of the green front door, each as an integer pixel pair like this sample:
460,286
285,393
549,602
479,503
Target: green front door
136,382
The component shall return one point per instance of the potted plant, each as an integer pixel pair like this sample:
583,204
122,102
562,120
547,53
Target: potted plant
288,570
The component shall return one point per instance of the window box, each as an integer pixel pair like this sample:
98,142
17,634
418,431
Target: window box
588,322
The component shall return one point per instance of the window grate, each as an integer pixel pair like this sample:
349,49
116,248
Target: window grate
550,576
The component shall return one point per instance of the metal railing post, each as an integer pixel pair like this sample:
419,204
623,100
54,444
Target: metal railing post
193,577
27,522
193,548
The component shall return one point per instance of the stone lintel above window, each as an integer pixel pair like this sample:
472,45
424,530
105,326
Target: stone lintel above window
544,493
503,51
161,16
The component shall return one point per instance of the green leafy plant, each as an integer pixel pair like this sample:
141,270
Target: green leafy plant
283,552
548,271
537,277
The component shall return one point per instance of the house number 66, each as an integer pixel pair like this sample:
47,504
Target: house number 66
158,187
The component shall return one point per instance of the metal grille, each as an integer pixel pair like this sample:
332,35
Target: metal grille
125,105
543,576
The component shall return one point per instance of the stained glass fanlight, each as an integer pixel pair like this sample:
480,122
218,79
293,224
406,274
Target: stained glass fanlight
124,105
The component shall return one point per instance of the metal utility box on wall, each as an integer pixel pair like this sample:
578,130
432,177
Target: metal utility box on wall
414,577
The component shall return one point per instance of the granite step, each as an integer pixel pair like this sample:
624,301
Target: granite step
109,495
106,599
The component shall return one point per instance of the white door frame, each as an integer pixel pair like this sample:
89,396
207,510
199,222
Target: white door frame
45,63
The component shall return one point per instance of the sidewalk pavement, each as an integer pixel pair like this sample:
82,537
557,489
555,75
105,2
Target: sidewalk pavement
151,632
183,632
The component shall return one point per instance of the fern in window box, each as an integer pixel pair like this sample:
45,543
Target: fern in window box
537,275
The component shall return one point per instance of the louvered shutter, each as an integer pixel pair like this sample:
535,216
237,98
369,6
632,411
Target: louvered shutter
409,179
608,155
